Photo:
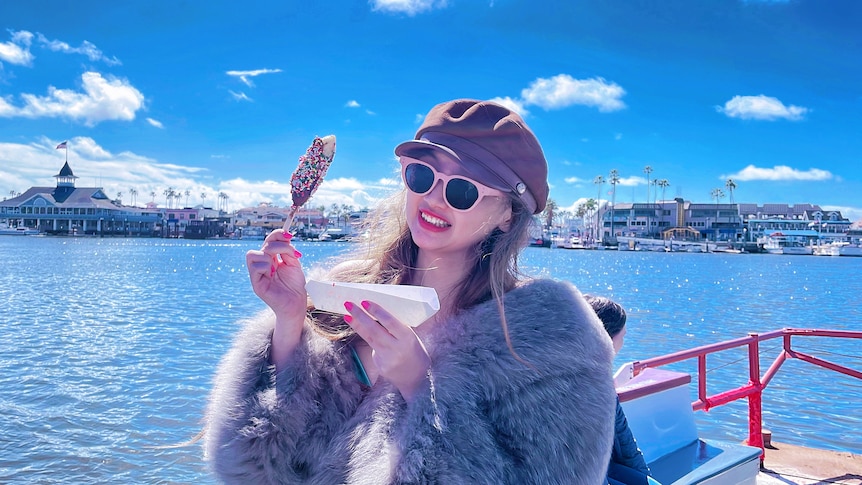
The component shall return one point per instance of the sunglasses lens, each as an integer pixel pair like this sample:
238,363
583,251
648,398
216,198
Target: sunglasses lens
461,194
419,178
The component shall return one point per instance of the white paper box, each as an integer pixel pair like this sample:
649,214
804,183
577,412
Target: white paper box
410,304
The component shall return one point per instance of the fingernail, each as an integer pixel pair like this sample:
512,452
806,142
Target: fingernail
365,304
349,306
272,270
288,236
297,254
348,319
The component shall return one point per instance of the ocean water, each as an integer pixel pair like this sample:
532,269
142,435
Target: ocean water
108,346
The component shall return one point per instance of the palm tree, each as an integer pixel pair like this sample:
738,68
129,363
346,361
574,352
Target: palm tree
203,199
731,185
648,171
664,184
717,194
345,214
598,181
188,193
153,195
120,197
169,194
614,178
549,212
589,206
133,193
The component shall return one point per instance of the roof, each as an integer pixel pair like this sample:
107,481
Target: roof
88,197
66,171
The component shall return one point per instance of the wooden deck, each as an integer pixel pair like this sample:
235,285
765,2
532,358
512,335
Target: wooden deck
796,465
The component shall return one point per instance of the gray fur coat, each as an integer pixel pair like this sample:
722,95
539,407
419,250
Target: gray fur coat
487,418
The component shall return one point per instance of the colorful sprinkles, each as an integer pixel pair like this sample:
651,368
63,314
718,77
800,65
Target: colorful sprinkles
310,172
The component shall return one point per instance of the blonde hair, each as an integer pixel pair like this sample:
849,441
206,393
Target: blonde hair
388,255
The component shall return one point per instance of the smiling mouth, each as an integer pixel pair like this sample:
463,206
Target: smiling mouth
434,221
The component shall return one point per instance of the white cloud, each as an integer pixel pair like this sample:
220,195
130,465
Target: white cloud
17,51
6,109
409,7
515,105
245,75
779,173
574,180
240,96
761,108
156,123
102,99
632,181
563,90
87,48
34,165
352,104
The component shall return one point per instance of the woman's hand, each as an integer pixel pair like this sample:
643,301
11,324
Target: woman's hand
397,352
277,278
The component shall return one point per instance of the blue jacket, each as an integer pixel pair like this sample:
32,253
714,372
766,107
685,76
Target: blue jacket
625,451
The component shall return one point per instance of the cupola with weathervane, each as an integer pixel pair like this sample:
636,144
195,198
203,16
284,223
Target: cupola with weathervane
65,183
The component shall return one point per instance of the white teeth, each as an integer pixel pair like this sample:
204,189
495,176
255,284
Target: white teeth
433,220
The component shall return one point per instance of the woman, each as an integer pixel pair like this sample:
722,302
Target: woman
627,465
510,382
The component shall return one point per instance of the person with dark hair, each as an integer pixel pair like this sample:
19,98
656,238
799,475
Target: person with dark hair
510,382
627,465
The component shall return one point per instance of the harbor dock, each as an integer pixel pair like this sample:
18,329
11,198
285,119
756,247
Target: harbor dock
797,465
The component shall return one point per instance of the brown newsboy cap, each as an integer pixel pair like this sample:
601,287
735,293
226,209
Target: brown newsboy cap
491,142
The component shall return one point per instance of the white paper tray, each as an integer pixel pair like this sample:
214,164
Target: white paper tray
410,304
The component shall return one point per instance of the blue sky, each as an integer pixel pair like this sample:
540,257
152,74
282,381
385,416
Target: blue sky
223,96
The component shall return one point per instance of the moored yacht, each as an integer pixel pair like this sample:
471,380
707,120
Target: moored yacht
7,230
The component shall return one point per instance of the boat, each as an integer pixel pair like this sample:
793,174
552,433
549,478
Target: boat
779,243
724,248
660,413
850,250
252,233
831,249
20,230
571,242
540,242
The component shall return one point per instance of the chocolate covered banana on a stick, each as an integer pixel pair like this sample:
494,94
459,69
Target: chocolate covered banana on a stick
310,172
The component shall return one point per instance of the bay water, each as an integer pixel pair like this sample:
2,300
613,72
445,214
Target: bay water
108,346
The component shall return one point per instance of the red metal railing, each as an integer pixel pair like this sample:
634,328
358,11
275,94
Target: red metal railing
753,390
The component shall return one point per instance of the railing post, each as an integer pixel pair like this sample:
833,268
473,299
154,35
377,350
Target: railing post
755,411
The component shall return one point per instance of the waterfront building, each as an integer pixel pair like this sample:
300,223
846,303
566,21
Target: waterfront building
687,220
805,221
269,217
177,220
69,210
308,222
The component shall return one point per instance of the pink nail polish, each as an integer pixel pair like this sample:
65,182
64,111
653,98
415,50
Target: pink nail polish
349,306
348,319
272,270
365,304
297,254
